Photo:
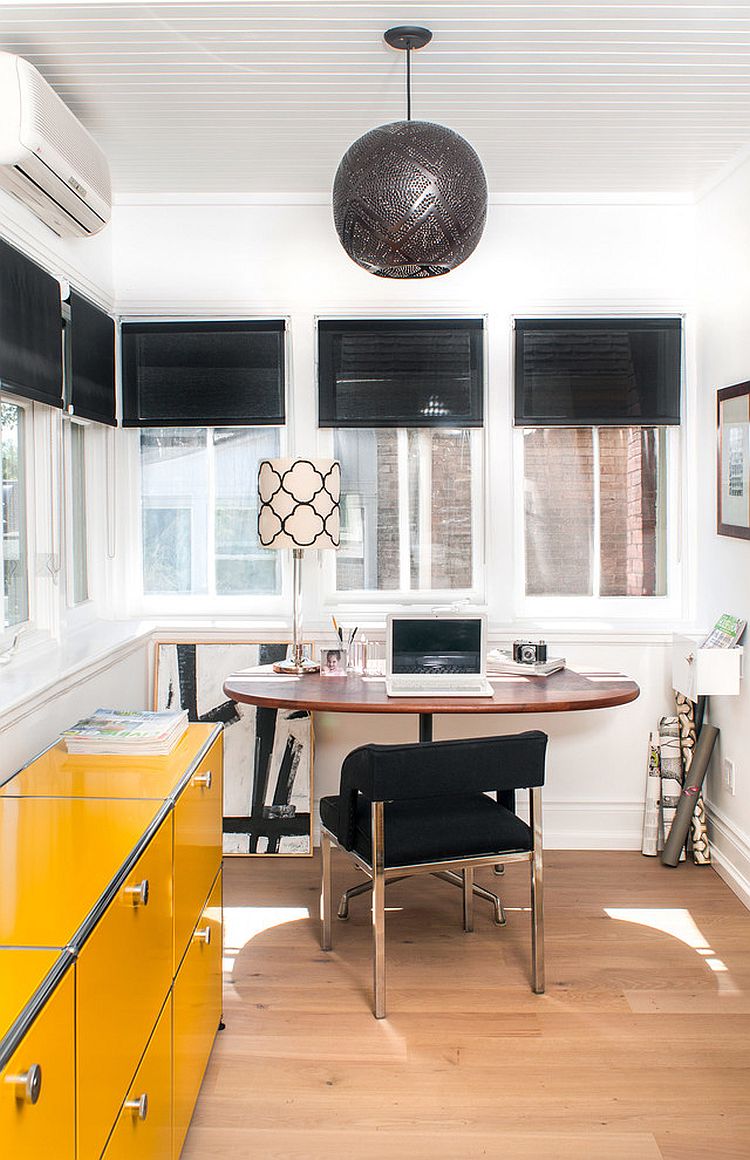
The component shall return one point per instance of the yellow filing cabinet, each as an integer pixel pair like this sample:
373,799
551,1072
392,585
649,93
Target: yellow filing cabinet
197,857
116,862
61,855
197,1010
124,975
143,1129
37,1082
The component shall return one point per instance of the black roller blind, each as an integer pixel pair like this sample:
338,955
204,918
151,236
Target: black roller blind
202,374
598,371
405,373
92,361
30,329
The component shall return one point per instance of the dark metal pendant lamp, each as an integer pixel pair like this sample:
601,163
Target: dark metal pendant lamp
409,198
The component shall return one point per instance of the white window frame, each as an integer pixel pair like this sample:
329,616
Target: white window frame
402,597
8,635
662,609
78,614
256,607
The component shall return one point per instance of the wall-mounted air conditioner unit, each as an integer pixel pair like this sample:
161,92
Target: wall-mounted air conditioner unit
47,159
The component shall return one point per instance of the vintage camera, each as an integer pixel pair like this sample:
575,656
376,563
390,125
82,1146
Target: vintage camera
526,652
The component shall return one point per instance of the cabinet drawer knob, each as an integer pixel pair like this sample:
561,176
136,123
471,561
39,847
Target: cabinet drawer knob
28,1084
203,779
203,935
138,1106
137,894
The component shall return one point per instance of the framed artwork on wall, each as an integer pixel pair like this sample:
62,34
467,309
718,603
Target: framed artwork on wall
733,461
267,752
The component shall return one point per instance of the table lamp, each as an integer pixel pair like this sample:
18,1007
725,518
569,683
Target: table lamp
298,508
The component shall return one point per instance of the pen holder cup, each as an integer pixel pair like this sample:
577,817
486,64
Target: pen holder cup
367,658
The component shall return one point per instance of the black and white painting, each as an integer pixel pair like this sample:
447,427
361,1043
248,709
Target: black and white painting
267,752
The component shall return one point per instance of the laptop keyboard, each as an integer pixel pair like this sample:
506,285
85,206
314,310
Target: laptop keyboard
432,671
407,683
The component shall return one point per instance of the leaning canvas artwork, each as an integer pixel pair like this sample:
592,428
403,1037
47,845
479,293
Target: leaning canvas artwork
267,752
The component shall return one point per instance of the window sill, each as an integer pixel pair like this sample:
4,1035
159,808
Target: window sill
43,665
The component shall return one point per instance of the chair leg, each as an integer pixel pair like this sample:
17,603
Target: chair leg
326,887
362,888
537,893
468,894
378,911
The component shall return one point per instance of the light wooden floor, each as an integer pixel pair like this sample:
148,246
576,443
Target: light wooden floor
639,1050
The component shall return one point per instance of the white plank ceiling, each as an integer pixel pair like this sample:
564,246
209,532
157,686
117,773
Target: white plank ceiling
265,97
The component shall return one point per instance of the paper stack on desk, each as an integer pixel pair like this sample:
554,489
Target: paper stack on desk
501,664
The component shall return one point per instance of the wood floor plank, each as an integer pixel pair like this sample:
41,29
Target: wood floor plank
225,1144
639,1050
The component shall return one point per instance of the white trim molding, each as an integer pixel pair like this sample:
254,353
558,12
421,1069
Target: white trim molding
730,851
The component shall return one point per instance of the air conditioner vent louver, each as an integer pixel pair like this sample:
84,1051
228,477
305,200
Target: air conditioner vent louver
46,122
48,160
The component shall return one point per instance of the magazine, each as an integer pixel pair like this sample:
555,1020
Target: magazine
128,732
501,663
726,633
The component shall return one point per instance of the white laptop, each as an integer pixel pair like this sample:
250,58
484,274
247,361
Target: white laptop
436,654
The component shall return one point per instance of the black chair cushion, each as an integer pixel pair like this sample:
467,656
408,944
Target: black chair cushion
435,829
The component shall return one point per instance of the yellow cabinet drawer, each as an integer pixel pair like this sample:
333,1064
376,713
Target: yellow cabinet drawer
123,975
31,1130
197,1011
143,1130
197,845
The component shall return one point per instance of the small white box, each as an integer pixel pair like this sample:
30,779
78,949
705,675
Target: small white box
703,672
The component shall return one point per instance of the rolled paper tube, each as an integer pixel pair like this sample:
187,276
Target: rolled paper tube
678,833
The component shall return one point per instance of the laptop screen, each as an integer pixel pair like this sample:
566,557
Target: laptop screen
435,645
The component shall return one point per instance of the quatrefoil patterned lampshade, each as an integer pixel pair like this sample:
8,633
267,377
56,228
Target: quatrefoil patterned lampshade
298,503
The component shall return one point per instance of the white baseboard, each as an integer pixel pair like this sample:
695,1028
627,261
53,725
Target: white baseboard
593,825
730,852
584,825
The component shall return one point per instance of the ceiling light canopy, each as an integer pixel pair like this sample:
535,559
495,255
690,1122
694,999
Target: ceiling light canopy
409,198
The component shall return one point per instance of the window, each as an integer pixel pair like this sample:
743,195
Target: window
14,549
410,518
595,511
406,400
199,511
597,400
77,523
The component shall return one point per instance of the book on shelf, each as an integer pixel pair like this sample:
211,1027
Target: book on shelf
501,663
110,731
726,633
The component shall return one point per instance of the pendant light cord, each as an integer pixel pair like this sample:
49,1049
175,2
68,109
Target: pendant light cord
408,83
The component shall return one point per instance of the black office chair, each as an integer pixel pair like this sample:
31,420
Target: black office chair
416,809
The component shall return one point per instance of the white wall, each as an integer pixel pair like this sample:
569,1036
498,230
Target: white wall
85,262
723,279
237,258
118,679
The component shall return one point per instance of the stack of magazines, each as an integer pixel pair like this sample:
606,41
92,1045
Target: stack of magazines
726,633
501,663
121,731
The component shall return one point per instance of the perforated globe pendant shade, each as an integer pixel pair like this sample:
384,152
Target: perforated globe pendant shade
410,200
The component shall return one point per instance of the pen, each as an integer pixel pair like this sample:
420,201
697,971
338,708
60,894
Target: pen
353,633
339,633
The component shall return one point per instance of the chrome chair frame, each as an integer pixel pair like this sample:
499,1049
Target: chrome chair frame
380,875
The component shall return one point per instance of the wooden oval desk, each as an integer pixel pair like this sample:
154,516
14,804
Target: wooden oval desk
562,692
